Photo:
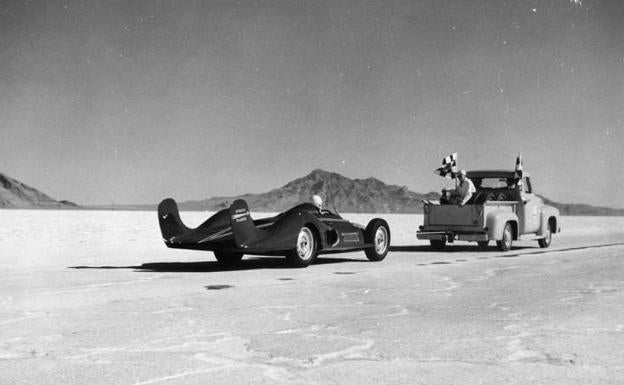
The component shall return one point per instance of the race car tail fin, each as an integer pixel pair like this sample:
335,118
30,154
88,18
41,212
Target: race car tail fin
169,219
245,232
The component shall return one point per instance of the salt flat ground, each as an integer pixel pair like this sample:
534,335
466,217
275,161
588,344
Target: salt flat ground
94,297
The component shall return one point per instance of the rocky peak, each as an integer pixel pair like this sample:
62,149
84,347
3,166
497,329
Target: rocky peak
15,194
339,192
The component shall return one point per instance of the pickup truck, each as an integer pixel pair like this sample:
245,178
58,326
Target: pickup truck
500,210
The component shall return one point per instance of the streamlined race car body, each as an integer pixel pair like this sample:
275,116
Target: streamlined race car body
300,234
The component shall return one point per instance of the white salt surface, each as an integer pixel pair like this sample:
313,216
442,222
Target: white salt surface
94,297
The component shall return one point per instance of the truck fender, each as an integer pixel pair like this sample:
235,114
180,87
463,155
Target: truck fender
496,221
549,214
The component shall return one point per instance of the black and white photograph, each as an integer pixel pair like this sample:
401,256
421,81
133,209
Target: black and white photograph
311,192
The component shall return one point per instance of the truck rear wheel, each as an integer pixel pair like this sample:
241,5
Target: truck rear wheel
505,243
437,244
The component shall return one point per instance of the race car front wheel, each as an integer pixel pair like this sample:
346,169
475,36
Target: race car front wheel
377,233
305,250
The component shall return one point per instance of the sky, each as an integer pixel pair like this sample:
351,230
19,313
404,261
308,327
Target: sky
106,101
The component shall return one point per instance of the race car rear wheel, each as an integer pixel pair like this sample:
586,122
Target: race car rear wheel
228,258
378,233
305,250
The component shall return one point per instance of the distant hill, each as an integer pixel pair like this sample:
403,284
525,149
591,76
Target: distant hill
345,195
583,209
15,194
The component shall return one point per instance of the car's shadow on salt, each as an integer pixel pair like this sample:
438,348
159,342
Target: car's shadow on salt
210,266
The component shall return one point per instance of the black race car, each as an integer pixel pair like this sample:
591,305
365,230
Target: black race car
300,234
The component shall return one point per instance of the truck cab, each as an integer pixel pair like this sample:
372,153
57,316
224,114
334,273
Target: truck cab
503,209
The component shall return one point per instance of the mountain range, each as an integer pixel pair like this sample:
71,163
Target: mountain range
15,194
340,193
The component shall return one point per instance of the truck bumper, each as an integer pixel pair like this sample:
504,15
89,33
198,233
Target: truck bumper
451,236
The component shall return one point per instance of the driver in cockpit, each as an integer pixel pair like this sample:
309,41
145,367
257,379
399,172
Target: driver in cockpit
318,202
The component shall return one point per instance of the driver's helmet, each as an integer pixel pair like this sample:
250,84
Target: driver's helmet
317,201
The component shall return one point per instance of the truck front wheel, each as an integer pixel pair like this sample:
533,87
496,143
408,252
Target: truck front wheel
437,244
545,242
505,243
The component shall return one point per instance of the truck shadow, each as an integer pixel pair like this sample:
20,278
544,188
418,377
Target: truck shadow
452,248
213,266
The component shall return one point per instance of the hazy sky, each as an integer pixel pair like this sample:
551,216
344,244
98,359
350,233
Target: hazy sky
134,101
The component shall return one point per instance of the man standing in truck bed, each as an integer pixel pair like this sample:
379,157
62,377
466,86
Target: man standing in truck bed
464,190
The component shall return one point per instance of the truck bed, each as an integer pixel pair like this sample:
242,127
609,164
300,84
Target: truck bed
453,216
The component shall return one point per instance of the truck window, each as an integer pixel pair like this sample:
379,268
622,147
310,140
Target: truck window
527,185
494,183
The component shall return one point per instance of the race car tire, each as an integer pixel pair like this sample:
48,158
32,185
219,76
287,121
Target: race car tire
377,232
505,243
545,242
305,250
228,258
437,244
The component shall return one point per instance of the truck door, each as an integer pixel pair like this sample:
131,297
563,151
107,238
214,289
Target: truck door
528,208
